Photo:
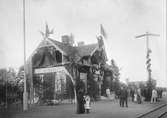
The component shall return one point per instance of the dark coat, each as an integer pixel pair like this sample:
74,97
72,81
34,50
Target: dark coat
124,94
80,99
132,92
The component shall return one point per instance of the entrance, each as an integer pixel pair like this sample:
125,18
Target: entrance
52,86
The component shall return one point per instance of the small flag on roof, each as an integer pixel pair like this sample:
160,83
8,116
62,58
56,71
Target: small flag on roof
102,31
47,32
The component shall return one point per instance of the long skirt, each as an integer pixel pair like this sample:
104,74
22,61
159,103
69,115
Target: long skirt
80,108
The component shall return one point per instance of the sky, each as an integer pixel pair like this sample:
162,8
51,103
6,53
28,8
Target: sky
121,19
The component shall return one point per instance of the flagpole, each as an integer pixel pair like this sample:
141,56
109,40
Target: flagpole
106,42
25,106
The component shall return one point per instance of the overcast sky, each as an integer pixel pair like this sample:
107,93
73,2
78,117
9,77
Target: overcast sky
122,20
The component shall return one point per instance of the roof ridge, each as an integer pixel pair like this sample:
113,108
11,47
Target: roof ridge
81,50
54,40
87,45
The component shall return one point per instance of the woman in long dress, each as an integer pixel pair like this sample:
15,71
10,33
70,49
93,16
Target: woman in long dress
135,96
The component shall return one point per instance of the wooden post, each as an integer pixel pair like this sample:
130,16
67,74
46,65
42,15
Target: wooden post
31,83
25,103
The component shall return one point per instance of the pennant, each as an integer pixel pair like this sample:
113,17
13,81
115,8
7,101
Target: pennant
103,32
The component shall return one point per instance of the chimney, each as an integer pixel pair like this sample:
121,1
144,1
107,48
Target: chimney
66,39
81,43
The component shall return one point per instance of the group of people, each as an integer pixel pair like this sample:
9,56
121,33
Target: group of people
123,96
156,94
137,95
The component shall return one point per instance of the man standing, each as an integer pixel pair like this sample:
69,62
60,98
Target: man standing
123,97
126,96
139,96
132,92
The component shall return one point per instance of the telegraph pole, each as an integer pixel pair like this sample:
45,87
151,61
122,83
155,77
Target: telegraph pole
25,106
6,88
148,51
148,59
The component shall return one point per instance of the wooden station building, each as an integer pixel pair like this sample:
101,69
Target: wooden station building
54,68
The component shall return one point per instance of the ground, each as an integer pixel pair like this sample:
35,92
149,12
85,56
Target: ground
100,109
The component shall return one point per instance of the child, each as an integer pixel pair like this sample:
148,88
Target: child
87,103
135,97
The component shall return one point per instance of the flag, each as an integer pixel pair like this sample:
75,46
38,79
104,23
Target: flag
100,42
72,36
47,32
103,32
72,39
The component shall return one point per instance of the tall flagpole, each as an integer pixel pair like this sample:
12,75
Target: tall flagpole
25,106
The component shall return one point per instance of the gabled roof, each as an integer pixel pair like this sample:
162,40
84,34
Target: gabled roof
64,47
81,51
86,50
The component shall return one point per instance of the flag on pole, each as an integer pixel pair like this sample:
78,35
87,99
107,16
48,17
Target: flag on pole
72,36
47,32
102,31
100,42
